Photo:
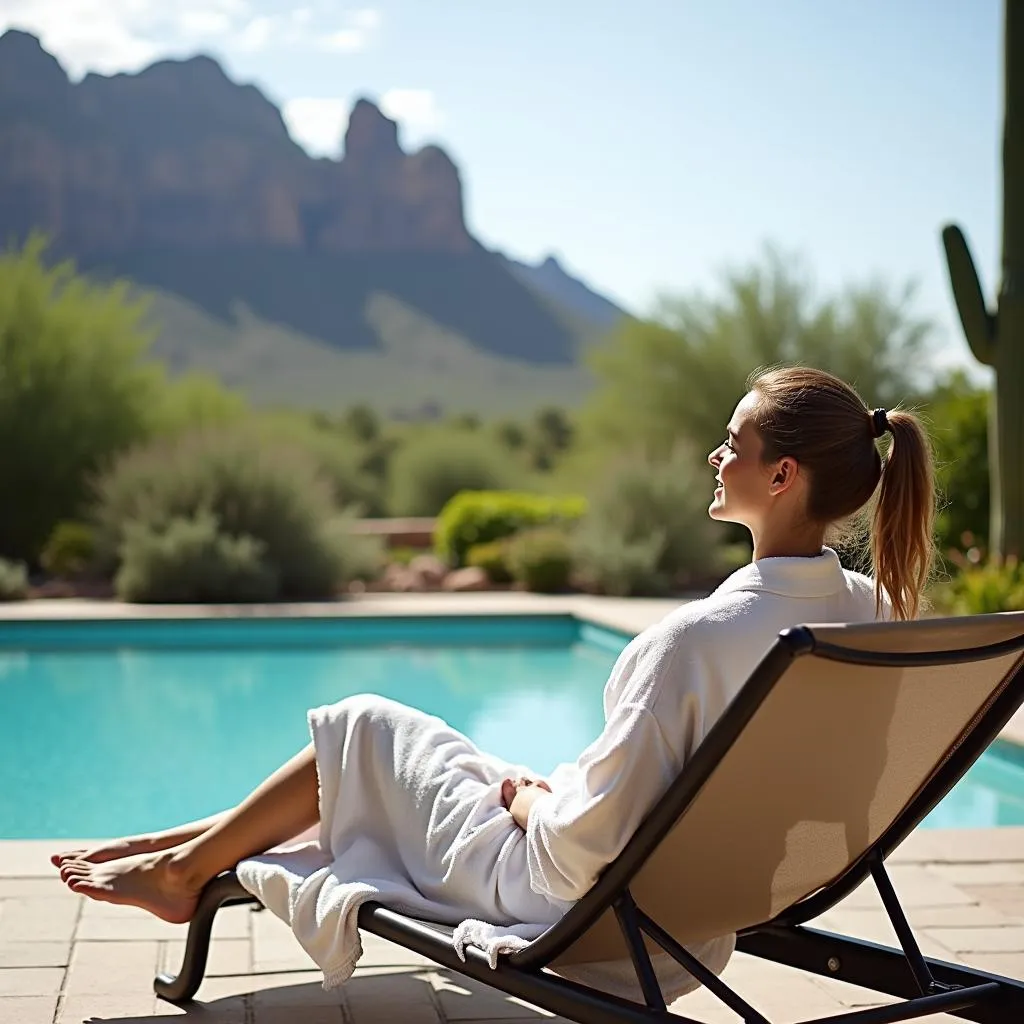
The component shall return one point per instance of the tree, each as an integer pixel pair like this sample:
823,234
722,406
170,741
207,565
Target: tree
73,391
958,415
362,423
679,376
997,339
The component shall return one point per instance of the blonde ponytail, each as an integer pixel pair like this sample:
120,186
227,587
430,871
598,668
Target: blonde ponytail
902,548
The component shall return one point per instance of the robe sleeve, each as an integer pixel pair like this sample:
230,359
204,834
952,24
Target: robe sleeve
572,835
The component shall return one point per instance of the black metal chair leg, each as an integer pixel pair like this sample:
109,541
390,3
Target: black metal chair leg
223,891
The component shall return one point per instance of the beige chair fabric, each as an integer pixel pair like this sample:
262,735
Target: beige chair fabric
827,763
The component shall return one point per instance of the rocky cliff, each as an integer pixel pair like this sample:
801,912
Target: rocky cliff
178,154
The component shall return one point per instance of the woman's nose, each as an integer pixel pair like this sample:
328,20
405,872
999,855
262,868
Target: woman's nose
713,457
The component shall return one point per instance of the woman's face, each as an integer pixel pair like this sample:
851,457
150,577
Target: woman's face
743,492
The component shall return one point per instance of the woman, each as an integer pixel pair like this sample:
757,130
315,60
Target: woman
403,800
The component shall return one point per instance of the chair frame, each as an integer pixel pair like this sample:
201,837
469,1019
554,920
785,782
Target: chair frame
924,985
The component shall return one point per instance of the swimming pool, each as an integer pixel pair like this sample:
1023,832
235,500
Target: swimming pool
115,727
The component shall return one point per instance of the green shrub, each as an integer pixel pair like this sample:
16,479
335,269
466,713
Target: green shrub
273,494
478,517
190,560
360,556
429,470
351,486
492,558
615,565
647,529
990,586
541,559
337,456
73,390
70,550
13,581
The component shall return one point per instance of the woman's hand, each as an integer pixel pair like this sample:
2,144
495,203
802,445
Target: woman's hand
518,796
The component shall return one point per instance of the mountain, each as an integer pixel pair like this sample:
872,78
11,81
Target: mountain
188,184
551,279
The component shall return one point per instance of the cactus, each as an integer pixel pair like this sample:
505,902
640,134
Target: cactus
997,339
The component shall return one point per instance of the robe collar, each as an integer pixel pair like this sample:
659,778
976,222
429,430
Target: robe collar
817,576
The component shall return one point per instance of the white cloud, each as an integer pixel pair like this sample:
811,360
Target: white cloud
415,109
204,23
358,29
345,40
125,35
119,35
367,19
317,124
255,35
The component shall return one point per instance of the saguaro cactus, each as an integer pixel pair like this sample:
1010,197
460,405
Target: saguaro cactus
997,339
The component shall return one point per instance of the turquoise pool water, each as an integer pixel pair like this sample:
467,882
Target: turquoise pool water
109,728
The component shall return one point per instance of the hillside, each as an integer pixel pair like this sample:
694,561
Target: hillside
417,370
296,279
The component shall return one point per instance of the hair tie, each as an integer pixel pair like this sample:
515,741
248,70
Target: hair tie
880,422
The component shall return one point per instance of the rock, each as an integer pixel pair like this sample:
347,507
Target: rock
402,580
470,578
431,570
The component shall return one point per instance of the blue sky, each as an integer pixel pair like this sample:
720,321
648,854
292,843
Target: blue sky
648,144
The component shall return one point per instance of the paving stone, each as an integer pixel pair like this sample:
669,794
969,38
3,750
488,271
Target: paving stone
989,873
107,968
29,888
35,954
290,1014
950,846
293,988
920,847
378,952
31,981
981,940
463,998
106,1006
915,885
1011,965
38,919
875,926
226,957
27,1009
995,895
974,915
236,922
1013,912
376,994
780,993
128,926
703,1006
284,998
274,948
851,996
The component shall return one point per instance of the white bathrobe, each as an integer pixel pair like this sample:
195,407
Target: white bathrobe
411,811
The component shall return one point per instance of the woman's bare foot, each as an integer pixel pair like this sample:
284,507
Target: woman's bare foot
132,846
114,850
152,881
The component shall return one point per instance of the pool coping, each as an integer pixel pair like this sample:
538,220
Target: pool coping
627,615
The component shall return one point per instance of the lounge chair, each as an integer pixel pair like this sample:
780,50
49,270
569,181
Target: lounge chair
838,745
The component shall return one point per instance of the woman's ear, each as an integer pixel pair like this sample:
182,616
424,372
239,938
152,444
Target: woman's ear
783,476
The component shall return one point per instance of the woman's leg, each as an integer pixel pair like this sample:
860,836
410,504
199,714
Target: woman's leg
167,883
148,842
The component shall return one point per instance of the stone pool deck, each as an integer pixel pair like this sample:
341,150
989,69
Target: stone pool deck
65,959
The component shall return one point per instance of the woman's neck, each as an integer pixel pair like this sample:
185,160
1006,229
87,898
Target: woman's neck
787,544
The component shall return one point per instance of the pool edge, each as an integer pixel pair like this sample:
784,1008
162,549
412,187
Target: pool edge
624,615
